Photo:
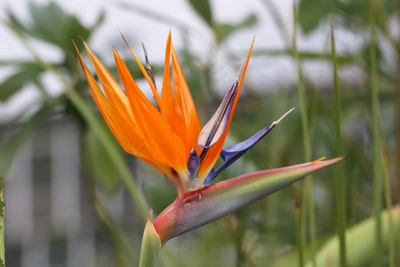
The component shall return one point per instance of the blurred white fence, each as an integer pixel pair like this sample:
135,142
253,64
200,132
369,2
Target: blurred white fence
48,218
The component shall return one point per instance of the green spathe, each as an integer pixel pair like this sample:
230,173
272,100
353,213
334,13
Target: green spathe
212,202
151,245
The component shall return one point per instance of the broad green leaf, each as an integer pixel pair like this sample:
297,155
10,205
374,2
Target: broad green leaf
353,14
356,13
27,72
311,13
224,30
50,23
151,245
14,23
203,9
360,241
9,149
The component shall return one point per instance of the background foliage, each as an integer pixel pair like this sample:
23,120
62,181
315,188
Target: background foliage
359,117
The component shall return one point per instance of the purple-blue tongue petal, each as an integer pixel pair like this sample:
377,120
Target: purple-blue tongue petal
230,154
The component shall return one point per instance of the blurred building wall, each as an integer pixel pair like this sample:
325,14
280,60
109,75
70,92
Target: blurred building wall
49,221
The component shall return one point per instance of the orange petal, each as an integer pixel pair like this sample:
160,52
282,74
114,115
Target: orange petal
162,143
177,103
105,107
166,102
184,107
117,113
145,74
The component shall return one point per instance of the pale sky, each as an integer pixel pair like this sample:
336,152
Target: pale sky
267,72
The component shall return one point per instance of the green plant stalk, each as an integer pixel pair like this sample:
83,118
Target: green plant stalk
388,199
308,203
341,196
299,235
91,120
2,225
377,165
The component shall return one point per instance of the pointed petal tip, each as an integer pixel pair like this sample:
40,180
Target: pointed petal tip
318,160
150,215
283,116
337,158
328,161
151,245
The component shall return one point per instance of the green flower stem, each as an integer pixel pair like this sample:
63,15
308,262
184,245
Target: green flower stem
341,198
92,121
391,227
308,203
377,164
2,225
299,234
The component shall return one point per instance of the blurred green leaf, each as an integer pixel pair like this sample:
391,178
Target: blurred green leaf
361,242
14,23
223,30
203,9
51,24
27,72
343,59
353,13
312,12
356,13
158,191
98,160
10,148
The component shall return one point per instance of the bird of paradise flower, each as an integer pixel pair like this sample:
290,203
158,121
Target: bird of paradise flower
168,135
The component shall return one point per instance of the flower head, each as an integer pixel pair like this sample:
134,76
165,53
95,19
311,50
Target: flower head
167,133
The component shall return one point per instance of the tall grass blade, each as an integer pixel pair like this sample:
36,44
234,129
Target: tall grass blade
376,133
341,195
2,225
308,202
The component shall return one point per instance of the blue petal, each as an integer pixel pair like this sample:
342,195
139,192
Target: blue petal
193,164
230,154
